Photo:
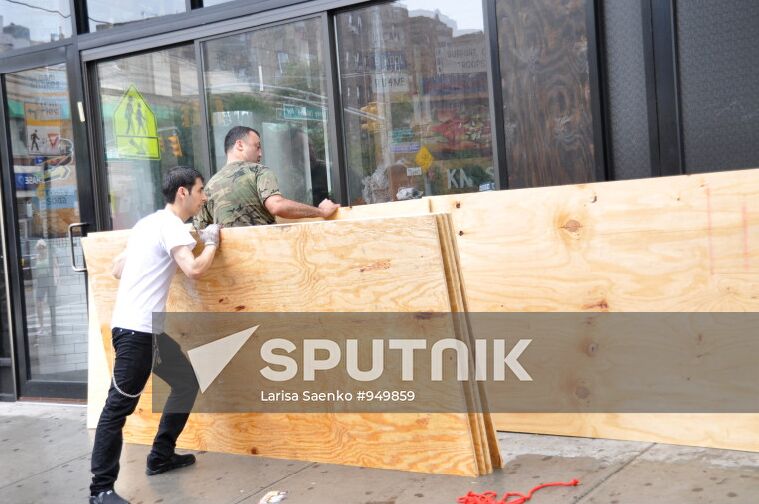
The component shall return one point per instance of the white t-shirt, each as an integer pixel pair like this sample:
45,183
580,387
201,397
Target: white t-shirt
148,270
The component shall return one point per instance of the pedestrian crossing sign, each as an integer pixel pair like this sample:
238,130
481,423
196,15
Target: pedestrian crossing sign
135,128
424,158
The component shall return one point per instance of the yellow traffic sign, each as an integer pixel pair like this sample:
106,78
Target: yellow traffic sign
424,159
135,128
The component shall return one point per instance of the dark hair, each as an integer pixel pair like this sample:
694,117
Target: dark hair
179,176
235,134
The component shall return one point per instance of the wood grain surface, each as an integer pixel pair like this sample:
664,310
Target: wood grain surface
687,243
376,265
482,425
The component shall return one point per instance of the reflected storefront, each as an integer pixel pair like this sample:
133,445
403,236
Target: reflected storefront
414,87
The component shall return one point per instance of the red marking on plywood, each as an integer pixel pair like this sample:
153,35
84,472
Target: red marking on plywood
601,305
744,218
379,265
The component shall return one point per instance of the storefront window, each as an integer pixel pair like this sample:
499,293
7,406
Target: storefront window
104,14
33,22
151,121
548,123
274,80
413,80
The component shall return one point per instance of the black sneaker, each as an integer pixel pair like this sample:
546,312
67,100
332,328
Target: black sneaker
175,462
107,497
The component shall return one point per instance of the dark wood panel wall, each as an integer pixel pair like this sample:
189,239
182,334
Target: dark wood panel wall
548,123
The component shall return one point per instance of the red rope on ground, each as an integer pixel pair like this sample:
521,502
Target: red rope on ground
491,497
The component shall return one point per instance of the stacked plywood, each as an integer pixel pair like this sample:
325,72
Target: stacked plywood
383,265
688,243
676,244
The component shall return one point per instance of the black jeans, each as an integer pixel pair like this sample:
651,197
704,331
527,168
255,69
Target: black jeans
136,353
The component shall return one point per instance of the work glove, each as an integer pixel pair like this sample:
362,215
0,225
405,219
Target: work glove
210,235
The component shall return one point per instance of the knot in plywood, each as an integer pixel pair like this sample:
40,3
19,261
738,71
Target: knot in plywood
572,226
378,265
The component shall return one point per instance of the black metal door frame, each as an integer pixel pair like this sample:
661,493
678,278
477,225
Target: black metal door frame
7,390
67,54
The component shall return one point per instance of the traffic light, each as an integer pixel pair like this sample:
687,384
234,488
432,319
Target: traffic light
369,119
176,148
187,116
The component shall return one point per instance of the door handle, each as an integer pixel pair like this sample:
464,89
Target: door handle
83,269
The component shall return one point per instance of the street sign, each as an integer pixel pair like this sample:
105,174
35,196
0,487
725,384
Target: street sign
424,158
43,127
135,128
404,147
302,113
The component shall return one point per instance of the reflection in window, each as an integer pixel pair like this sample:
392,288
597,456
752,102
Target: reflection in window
546,92
274,80
104,14
413,81
151,122
33,22
44,169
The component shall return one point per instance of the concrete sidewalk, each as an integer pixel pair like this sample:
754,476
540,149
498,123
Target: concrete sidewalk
45,457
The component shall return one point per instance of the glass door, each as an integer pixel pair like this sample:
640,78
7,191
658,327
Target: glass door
46,204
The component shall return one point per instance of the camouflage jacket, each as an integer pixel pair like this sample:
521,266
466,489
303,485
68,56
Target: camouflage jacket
236,196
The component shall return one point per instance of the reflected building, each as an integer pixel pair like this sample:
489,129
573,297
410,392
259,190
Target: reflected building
415,101
273,80
14,36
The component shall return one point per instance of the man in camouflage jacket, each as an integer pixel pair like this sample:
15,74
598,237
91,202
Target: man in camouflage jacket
246,193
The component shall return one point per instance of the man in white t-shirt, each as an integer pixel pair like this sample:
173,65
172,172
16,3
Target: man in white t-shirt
157,244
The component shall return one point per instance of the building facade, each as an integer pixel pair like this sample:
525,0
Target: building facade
359,101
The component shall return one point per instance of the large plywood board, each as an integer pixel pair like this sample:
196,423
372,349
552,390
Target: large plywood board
483,429
377,265
688,243
684,243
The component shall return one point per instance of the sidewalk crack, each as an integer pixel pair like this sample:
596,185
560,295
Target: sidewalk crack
585,494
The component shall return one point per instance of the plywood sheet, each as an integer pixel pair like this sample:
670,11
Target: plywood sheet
483,429
684,243
389,265
688,243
